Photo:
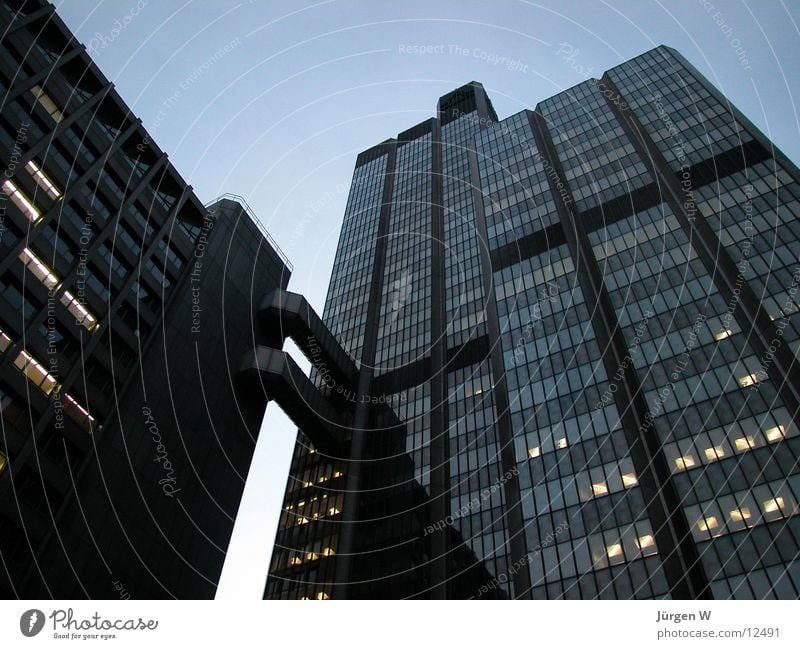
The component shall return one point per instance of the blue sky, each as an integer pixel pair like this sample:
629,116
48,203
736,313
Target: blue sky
274,99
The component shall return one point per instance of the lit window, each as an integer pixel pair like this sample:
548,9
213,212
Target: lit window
80,312
744,443
561,442
646,541
302,520
38,268
775,433
322,479
773,505
751,379
35,372
295,561
312,556
333,511
327,552
478,391
534,452
740,514
301,503
323,595
684,462
614,550
714,453
311,451
599,489
337,474
3,461
629,480
21,201
707,524
5,341
81,410
303,598
42,180
48,104
722,335
308,483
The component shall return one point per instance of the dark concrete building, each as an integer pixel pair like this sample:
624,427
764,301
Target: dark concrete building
126,439
584,320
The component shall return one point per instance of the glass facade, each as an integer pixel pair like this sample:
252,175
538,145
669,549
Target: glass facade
620,268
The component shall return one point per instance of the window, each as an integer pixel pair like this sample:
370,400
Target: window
35,372
776,433
5,341
3,461
38,268
77,411
47,103
76,308
42,180
752,379
20,200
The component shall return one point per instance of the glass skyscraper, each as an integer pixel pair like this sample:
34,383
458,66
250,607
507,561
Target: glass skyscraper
582,320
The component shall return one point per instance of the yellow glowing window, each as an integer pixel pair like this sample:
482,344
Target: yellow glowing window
773,505
35,372
81,313
561,442
646,541
333,511
20,200
327,552
302,520
311,451
312,556
629,480
337,474
322,479
775,433
323,595
743,443
740,514
42,180
47,103
38,268
722,335
3,461
684,462
478,391
534,452
295,561
308,483
750,379
599,489
614,550
5,341
303,598
708,523
301,503
714,453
